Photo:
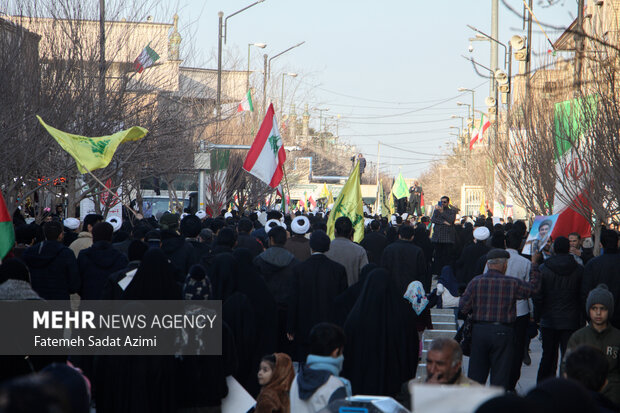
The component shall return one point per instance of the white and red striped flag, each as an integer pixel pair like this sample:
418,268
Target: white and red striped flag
480,131
266,156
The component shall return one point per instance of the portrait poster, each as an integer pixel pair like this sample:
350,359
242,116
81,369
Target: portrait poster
539,233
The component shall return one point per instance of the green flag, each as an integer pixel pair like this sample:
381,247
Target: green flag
400,188
349,204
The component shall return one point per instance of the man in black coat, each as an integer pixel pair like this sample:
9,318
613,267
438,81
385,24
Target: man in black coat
118,281
190,229
466,264
374,243
179,251
53,267
245,240
406,261
315,285
97,262
558,305
276,267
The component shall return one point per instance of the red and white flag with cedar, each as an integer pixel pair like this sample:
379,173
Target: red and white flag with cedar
266,156
479,133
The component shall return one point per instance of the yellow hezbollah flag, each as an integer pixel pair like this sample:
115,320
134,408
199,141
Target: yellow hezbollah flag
324,191
390,203
330,199
349,204
483,210
93,153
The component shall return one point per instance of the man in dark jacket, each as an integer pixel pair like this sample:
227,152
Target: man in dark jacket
96,263
276,266
245,240
190,229
605,269
374,243
444,234
179,251
466,264
53,267
406,261
316,283
558,305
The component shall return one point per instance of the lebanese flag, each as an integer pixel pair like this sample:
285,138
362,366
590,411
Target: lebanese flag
246,104
146,59
266,156
480,131
7,234
572,118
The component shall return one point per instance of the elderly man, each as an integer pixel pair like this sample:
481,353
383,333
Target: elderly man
491,298
444,362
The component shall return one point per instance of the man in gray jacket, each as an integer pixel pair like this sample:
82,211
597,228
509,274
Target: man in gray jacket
345,252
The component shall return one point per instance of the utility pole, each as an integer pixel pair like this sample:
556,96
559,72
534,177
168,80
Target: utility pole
494,34
218,103
101,59
265,85
578,48
529,53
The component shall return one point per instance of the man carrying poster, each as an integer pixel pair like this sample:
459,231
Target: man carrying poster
539,234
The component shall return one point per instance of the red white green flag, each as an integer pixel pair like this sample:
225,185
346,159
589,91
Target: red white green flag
7,234
266,157
246,104
484,125
146,59
572,119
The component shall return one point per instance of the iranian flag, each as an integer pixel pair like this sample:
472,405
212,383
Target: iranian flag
7,234
484,125
246,104
266,157
572,120
146,59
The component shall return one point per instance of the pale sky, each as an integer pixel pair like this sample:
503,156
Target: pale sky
390,69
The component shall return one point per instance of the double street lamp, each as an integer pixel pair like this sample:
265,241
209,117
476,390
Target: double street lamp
223,25
267,71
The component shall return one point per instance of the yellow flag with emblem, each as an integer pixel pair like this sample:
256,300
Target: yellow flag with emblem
349,204
93,153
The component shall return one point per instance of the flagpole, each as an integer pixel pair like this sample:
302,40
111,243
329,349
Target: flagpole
109,190
286,183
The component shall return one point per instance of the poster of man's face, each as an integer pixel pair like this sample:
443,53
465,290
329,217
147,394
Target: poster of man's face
539,234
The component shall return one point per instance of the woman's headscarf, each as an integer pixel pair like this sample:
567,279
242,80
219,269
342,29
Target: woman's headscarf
197,285
276,393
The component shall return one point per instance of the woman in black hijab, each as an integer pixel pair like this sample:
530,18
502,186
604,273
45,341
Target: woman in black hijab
154,279
222,274
249,283
382,341
136,384
422,240
345,301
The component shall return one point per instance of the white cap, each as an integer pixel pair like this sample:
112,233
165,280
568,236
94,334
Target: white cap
481,233
115,221
228,215
300,225
71,223
269,226
262,217
201,214
404,216
183,215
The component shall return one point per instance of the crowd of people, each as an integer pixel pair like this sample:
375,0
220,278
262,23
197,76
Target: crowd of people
309,319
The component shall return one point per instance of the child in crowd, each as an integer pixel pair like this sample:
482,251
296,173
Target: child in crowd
275,375
318,382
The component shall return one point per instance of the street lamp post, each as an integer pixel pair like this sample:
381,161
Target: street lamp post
267,72
462,120
222,31
282,97
473,93
262,46
469,113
